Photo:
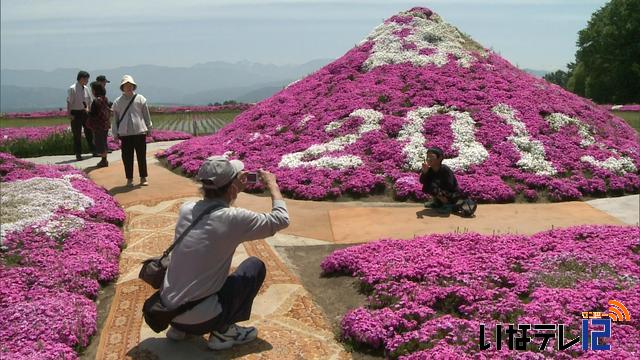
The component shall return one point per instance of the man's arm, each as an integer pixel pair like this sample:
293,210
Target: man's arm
259,226
69,97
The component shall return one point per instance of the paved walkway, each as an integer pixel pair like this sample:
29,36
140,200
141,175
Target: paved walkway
291,325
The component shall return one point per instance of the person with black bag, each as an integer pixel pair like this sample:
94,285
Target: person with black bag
132,124
198,295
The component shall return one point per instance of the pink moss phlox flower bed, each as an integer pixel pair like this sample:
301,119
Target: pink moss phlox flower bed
154,109
59,242
364,122
36,134
35,114
428,296
33,134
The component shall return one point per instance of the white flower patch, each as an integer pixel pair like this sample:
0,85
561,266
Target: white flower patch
411,132
255,136
622,165
532,154
558,120
371,121
431,33
470,151
60,227
305,119
26,202
334,125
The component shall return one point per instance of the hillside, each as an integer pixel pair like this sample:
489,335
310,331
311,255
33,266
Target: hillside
363,123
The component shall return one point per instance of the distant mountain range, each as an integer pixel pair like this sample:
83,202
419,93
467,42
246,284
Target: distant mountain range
28,90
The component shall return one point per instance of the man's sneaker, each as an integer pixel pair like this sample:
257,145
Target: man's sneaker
144,182
78,157
130,183
175,334
235,335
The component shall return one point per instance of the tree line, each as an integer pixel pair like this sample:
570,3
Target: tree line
607,63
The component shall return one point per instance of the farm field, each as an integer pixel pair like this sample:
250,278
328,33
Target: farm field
195,123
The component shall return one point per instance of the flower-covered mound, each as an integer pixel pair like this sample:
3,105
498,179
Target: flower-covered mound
59,241
364,122
428,296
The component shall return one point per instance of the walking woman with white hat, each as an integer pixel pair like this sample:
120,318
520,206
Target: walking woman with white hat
131,124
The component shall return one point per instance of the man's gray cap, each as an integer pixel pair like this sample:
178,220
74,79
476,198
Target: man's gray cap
219,171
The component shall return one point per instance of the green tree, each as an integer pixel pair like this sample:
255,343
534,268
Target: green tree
558,77
607,67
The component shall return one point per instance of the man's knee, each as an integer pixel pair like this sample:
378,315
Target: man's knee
256,267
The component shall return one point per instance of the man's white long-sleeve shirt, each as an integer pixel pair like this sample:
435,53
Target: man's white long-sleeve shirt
200,264
78,97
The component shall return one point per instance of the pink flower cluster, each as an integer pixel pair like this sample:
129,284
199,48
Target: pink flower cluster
49,276
428,296
198,108
36,134
36,114
593,153
33,134
154,109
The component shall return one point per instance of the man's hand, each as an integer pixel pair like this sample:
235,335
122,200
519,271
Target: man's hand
269,180
425,167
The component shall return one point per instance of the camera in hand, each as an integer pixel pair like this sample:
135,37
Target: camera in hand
252,177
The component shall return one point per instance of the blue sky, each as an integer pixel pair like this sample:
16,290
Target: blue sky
49,34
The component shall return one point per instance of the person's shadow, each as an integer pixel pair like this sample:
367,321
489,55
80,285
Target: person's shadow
122,189
431,213
194,347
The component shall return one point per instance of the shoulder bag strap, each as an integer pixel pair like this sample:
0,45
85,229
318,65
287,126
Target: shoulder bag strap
125,111
208,210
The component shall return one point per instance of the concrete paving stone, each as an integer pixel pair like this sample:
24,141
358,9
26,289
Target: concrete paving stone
624,208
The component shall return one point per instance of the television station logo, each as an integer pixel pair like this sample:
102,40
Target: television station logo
519,336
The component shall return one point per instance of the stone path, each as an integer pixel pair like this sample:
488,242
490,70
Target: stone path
291,325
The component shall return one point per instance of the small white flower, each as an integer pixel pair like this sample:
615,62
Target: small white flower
532,154
25,202
470,151
432,33
558,120
371,121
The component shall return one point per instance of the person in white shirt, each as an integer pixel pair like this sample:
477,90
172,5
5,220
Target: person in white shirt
132,124
199,265
78,102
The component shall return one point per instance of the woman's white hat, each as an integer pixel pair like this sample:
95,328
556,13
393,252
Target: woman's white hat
128,79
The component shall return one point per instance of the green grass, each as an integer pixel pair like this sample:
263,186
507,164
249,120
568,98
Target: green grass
56,144
5,122
631,117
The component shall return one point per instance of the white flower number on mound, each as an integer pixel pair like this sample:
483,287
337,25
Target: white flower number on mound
26,202
431,33
621,166
370,121
470,151
532,154
558,120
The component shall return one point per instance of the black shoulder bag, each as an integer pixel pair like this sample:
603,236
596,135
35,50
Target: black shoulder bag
124,113
154,269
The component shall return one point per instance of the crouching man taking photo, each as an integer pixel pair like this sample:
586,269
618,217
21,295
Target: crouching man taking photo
199,265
